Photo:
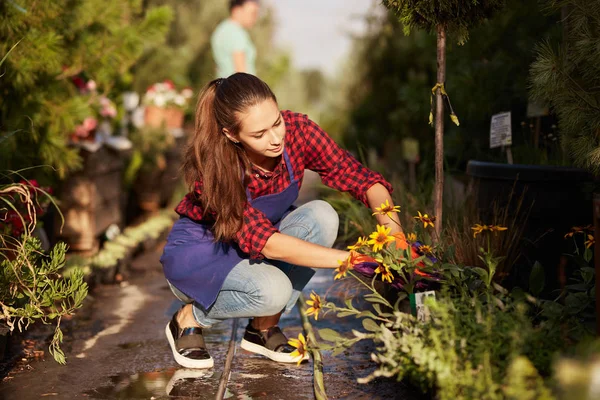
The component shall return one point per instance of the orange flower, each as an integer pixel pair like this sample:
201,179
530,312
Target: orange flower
590,241
401,243
421,273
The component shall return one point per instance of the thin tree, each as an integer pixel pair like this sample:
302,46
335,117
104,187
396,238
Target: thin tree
444,17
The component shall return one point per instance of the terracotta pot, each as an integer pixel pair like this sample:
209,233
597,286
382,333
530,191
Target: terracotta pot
170,117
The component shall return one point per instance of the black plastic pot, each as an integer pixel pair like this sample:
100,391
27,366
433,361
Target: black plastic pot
556,198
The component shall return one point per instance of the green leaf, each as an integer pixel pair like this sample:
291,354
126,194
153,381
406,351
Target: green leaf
338,351
370,325
587,254
343,314
329,335
379,300
366,314
537,279
481,272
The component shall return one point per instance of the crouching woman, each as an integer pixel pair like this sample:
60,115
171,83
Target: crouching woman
241,248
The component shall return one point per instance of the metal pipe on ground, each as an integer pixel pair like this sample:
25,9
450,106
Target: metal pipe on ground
228,361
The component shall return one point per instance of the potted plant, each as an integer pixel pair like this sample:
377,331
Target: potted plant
165,105
91,197
31,285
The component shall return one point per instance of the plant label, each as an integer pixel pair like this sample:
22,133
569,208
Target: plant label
417,304
500,130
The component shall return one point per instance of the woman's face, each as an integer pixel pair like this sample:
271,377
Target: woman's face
262,132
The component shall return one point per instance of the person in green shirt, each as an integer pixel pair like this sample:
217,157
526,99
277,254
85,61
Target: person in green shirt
232,47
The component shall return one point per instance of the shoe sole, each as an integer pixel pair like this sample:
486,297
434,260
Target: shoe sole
273,355
184,361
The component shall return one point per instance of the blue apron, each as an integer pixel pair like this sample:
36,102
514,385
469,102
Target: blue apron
197,265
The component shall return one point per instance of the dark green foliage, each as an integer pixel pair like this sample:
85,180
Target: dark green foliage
58,40
31,288
487,75
457,17
568,78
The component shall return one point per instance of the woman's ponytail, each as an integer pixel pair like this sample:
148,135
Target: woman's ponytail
213,159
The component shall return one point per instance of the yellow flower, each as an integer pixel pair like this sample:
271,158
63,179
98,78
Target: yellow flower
590,241
477,229
574,230
380,237
425,249
386,209
315,305
386,274
497,228
300,345
411,237
362,241
345,266
425,219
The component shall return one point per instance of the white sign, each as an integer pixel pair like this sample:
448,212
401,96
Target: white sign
500,130
423,314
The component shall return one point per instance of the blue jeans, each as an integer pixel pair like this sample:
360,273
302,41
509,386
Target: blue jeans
260,288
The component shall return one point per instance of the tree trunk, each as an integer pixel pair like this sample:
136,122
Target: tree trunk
596,204
439,129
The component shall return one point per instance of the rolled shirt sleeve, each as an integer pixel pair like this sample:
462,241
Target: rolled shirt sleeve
337,167
256,230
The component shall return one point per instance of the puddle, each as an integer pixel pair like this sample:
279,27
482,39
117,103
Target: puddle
196,383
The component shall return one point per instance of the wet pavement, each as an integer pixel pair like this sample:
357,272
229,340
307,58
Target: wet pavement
116,349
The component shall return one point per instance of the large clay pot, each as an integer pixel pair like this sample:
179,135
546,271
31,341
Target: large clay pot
169,117
90,200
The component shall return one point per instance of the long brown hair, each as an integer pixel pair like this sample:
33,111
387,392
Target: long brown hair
210,157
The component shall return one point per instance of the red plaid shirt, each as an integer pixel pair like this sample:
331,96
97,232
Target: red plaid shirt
309,147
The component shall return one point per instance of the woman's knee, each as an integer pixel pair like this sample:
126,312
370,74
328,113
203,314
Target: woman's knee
326,222
273,291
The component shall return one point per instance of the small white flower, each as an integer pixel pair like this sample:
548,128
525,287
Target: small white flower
160,100
179,100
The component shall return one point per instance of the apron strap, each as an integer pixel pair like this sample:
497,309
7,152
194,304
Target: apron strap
288,165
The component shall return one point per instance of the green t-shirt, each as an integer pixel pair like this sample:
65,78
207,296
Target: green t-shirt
228,38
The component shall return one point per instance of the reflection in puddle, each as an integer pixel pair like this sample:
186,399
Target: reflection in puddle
185,383
197,383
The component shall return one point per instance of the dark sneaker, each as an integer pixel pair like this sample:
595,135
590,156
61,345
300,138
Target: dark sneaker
271,343
188,345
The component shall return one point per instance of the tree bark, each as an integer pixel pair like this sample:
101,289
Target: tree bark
596,205
439,129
